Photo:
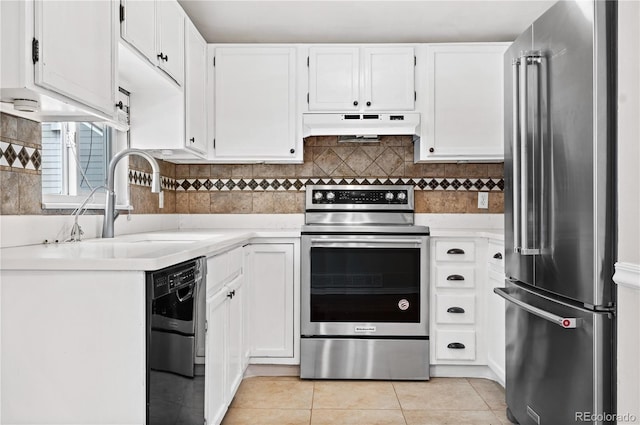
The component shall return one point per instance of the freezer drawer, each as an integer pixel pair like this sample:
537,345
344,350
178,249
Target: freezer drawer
554,352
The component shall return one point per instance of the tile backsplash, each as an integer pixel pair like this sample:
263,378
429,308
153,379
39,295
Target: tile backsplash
276,188
260,188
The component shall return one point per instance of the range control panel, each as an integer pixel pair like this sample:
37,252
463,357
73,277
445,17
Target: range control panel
370,197
365,197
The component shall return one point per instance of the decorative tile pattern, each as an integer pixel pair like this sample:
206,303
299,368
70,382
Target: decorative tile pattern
21,157
140,178
299,184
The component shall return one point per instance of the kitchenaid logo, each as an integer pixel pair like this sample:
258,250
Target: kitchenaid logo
605,417
365,329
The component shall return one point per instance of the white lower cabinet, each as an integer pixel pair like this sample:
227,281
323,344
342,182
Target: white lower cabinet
251,310
224,361
216,358
496,311
467,319
457,328
272,303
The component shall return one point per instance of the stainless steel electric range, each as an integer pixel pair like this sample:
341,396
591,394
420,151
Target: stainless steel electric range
365,271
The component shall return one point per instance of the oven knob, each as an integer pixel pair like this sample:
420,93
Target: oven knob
331,196
401,196
388,196
317,196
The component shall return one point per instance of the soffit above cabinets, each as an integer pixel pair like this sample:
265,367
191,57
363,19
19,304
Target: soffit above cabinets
337,21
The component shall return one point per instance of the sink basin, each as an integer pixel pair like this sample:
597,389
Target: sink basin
160,237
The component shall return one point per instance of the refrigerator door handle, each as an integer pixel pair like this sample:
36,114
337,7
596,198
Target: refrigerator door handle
563,322
525,236
515,141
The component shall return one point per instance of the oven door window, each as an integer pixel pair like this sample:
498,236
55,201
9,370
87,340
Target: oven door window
365,285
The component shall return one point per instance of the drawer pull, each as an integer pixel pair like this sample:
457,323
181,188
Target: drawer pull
455,251
455,277
498,256
456,346
457,310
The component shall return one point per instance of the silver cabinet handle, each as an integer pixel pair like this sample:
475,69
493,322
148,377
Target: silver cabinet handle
563,322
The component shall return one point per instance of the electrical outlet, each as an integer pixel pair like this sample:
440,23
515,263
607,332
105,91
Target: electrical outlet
483,200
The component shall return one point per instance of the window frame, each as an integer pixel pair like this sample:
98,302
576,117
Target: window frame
119,141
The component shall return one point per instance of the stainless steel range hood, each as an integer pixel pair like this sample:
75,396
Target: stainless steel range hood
361,125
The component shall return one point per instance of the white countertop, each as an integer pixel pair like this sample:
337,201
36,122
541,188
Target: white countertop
156,250
138,251
493,234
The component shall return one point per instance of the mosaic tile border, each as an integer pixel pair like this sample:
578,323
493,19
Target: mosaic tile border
140,178
299,184
18,156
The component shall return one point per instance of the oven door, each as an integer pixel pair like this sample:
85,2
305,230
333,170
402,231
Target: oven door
364,285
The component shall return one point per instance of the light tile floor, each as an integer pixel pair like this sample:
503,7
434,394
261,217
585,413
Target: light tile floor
291,401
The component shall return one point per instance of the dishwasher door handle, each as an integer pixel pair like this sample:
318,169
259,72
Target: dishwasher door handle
563,322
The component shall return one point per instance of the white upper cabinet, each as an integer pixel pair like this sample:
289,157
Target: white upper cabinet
334,78
389,78
361,78
194,89
156,29
138,27
170,30
255,105
60,56
77,48
463,115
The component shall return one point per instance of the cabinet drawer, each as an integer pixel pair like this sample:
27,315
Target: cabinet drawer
456,345
455,308
455,276
455,251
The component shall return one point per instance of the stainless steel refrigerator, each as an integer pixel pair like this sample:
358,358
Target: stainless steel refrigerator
560,217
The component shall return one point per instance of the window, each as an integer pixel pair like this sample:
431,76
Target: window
75,158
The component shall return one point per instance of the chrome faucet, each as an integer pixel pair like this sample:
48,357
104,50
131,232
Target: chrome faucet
110,202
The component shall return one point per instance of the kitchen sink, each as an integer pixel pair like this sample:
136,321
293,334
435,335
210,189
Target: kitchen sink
157,237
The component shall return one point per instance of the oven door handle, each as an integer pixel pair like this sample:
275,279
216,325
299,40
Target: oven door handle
316,241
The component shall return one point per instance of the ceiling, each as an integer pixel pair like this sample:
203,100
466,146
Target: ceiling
360,21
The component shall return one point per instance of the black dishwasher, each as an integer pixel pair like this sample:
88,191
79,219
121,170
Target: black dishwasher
174,393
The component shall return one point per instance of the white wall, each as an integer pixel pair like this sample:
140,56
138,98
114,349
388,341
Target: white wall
628,267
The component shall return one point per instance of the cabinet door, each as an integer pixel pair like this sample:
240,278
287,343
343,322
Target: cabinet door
255,104
139,26
236,335
389,78
170,33
216,357
334,79
464,118
271,317
77,43
195,85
